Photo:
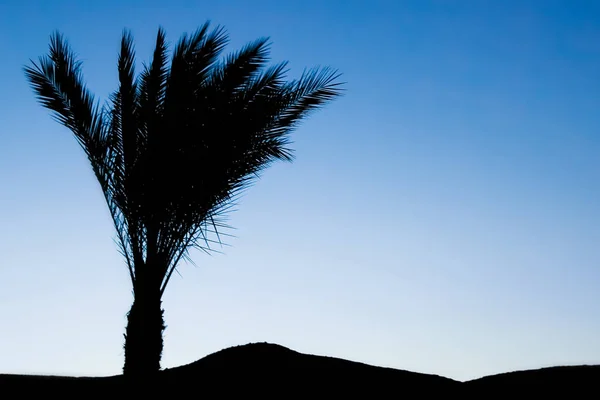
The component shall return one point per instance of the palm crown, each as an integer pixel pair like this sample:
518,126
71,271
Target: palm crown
176,145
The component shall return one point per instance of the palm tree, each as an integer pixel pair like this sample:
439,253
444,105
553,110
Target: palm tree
174,147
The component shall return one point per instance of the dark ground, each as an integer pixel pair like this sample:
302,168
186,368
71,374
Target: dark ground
273,371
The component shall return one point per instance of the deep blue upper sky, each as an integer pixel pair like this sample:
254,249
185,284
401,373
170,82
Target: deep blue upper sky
443,216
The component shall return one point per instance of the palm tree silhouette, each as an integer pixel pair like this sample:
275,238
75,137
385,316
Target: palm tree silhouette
174,147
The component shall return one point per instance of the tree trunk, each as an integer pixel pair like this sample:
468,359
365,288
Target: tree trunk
144,332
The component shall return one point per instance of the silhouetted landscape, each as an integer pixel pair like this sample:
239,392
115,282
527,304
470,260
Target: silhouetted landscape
442,216
267,369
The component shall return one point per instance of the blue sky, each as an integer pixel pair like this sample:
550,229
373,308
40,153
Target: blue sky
442,217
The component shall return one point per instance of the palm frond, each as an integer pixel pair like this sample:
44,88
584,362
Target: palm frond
315,88
151,93
239,68
56,79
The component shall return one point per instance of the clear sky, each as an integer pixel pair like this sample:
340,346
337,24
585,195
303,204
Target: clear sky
442,217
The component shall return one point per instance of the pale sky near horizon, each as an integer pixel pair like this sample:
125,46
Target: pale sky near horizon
442,217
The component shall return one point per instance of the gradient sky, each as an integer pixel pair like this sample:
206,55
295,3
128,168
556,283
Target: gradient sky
442,217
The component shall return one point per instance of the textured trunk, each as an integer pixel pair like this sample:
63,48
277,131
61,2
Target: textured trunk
144,332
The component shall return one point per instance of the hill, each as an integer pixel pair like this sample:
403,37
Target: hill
570,381
270,370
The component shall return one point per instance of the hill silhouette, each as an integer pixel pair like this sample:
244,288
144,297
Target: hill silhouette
286,368
581,380
271,370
